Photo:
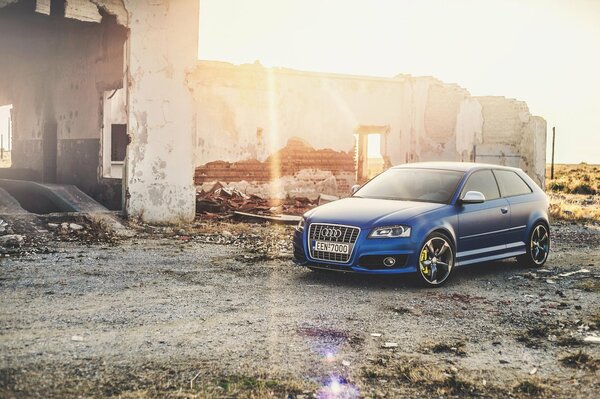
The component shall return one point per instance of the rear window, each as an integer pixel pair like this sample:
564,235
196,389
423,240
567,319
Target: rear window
511,184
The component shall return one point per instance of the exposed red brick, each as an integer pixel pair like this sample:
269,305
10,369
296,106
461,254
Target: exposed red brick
294,157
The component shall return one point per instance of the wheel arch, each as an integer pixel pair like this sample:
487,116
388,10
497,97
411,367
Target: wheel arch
535,218
445,230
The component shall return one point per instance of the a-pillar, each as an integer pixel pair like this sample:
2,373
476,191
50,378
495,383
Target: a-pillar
162,47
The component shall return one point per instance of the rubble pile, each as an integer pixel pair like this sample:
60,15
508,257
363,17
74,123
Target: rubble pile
21,236
78,228
221,199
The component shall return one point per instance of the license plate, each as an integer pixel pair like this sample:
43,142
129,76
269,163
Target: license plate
334,247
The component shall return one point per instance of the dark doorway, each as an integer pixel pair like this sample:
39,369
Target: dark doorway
49,151
118,142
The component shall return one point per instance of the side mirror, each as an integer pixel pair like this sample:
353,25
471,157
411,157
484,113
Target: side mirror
473,197
355,188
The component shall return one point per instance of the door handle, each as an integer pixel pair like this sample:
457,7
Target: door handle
504,210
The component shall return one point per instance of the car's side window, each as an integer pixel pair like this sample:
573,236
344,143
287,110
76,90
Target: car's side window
511,184
484,182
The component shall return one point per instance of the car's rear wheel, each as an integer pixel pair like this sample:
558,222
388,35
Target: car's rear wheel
436,260
538,247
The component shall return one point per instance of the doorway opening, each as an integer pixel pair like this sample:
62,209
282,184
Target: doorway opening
5,136
114,134
371,152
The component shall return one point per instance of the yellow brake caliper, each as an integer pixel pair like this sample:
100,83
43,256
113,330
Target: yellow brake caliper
423,258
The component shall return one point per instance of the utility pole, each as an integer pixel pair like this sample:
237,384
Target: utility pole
552,165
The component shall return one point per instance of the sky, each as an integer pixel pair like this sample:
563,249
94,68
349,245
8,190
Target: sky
544,52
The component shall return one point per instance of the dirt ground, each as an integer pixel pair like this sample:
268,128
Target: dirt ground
219,310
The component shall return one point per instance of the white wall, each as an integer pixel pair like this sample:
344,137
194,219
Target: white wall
159,165
428,120
4,124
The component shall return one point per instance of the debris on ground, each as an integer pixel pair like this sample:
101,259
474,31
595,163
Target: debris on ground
574,272
222,200
592,339
279,219
11,240
523,335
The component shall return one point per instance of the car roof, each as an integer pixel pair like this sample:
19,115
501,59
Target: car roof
457,166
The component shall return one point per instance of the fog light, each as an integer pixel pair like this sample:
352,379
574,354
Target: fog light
389,261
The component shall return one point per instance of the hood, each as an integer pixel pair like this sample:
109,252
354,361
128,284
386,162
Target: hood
369,212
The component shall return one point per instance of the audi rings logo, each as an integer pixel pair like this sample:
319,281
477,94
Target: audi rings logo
331,233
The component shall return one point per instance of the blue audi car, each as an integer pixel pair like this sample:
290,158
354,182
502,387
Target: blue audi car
428,218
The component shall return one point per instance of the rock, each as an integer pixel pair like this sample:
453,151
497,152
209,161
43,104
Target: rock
575,272
53,226
592,339
533,371
551,281
11,240
75,226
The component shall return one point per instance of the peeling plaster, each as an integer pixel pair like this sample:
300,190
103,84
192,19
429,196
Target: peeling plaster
162,47
429,120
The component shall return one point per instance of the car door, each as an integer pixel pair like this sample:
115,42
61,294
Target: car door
482,228
521,201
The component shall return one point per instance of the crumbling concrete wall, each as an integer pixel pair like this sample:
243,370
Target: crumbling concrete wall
162,47
59,58
249,112
54,71
512,136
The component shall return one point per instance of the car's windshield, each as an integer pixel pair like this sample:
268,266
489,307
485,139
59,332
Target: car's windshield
427,185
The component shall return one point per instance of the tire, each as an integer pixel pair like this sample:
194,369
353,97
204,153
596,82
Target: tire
538,246
436,255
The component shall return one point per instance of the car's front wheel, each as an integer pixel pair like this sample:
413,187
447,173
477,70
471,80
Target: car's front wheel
538,247
436,260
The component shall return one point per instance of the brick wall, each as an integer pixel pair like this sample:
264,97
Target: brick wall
294,157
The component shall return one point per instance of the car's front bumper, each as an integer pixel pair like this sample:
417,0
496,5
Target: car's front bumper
366,256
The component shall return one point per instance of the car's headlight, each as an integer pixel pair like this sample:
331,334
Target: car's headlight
300,226
390,232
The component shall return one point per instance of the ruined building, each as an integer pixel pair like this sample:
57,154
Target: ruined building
282,131
98,92
108,95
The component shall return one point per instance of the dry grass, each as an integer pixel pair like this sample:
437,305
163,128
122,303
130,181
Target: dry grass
5,161
574,192
530,388
426,377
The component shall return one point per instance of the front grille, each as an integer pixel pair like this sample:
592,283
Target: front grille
341,234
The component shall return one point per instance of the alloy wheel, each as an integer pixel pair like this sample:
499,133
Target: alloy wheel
436,260
539,245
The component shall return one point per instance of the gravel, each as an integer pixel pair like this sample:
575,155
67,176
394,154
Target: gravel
142,317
